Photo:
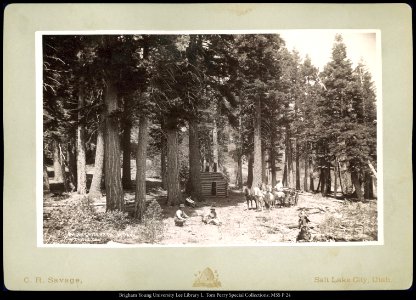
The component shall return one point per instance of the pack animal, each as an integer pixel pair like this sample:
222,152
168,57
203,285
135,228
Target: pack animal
250,197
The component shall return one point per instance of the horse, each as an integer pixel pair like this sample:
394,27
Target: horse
250,198
259,197
269,198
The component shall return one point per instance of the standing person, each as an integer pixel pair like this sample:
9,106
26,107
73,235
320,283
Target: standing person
180,216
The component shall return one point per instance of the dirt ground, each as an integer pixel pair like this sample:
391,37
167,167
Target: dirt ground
241,225
332,219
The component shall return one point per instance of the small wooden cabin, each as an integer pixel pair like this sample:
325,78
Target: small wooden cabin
214,184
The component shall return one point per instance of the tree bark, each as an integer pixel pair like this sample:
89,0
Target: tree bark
285,173
194,162
263,166
81,157
340,177
250,171
72,161
306,170
62,162
328,179
240,170
113,186
297,166
357,185
289,158
126,180
257,172
141,156
95,188
311,179
335,179
273,163
58,176
215,146
46,187
163,154
172,178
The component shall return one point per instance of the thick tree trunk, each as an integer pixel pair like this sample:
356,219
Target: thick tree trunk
297,166
63,163
72,162
172,176
194,162
240,170
163,154
357,185
81,157
340,177
289,159
141,156
58,176
46,187
113,187
311,179
263,166
215,146
95,188
328,178
250,171
273,164
126,179
257,172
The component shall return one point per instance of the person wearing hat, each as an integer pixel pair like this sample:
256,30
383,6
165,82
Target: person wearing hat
212,218
180,216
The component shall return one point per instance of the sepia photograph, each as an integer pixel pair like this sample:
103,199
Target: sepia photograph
207,148
210,138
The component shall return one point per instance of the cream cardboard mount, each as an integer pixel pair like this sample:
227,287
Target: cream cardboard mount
383,266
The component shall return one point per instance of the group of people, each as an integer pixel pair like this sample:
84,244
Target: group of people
211,218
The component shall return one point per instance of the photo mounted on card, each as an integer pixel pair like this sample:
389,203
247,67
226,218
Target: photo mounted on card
172,153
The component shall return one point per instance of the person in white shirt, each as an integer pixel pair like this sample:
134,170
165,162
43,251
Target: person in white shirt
180,216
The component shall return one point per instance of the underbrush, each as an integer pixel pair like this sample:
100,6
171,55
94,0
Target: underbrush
352,222
81,223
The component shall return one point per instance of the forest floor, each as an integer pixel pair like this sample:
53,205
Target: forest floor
332,220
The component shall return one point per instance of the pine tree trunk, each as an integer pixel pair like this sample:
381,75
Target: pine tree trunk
356,182
72,162
172,176
273,164
257,170
46,187
163,154
340,177
297,166
306,170
194,162
141,156
58,177
81,158
113,186
328,179
215,146
285,173
240,170
335,179
263,166
95,188
64,176
311,179
368,186
289,159
126,179
250,171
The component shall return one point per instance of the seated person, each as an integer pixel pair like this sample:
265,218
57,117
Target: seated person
180,216
212,218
